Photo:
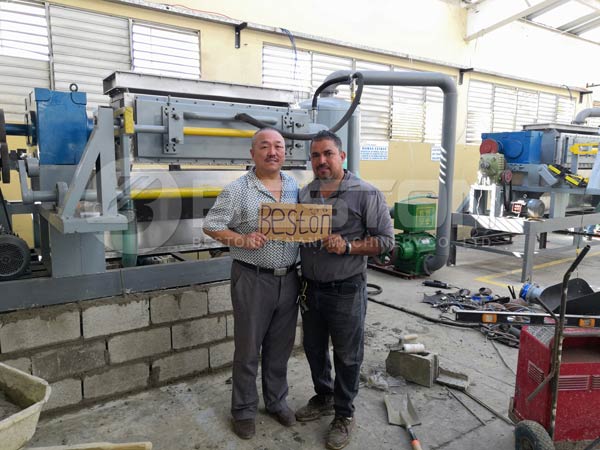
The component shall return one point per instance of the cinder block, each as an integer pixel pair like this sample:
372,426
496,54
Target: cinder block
115,315
230,325
172,307
115,381
196,332
126,347
23,364
180,365
420,368
221,354
64,393
219,298
38,327
69,360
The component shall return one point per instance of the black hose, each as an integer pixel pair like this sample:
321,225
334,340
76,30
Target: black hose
326,84
243,117
376,289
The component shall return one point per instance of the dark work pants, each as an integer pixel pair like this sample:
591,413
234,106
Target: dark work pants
338,310
265,314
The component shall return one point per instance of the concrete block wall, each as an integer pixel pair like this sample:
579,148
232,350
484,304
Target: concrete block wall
99,349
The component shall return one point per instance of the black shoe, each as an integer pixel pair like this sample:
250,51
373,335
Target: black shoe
245,428
285,417
317,406
339,432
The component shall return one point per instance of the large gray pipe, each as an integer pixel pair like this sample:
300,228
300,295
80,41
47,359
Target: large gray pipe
446,84
354,144
584,114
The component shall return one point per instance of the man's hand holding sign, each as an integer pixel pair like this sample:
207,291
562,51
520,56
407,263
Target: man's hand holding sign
296,223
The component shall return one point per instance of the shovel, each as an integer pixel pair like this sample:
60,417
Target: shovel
406,418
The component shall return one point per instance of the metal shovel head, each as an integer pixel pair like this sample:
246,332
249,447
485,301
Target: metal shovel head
405,417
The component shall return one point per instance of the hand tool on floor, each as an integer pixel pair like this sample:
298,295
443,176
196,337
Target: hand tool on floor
405,417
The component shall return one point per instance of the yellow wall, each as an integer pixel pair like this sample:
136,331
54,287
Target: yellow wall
21,223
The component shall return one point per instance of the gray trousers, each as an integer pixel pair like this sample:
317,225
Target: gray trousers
265,313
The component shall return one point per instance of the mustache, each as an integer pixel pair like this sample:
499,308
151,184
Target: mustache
322,166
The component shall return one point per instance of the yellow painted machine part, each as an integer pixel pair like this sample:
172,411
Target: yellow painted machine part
152,194
576,148
218,132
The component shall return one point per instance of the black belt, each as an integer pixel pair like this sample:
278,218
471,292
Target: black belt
279,272
335,283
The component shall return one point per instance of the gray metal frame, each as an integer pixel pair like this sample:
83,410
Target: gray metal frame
155,84
516,225
46,291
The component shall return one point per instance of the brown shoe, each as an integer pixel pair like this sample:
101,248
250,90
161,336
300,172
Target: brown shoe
339,432
317,406
285,417
244,428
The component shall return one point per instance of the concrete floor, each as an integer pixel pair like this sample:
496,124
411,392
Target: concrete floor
195,414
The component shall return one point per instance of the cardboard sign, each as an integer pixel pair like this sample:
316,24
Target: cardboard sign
297,223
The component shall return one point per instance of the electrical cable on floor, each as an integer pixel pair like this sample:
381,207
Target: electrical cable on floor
593,445
378,290
502,358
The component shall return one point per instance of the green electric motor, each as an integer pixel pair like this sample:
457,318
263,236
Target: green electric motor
414,245
411,250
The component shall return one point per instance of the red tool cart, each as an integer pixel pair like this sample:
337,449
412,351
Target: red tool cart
557,390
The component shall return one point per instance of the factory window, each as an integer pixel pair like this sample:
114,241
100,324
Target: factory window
375,107
86,48
304,71
324,65
497,108
23,30
287,69
417,113
165,51
24,55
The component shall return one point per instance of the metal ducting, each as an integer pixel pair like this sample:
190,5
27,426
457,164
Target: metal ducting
589,112
448,87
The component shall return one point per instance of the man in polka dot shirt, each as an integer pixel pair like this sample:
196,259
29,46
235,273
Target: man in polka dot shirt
264,283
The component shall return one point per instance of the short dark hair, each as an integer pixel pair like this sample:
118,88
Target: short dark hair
326,135
260,130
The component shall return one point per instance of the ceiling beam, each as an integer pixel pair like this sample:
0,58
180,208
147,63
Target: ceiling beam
580,21
594,4
586,27
541,11
493,14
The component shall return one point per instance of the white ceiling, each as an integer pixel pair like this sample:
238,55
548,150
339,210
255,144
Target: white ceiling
580,18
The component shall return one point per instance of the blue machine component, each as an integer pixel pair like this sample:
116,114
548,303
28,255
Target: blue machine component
58,123
523,147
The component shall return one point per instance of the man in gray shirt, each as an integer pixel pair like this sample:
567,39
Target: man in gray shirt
335,274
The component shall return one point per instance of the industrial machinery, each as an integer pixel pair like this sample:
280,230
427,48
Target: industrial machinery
541,179
414,244
112,194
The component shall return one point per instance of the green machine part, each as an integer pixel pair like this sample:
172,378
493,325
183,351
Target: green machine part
414,244
411,250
